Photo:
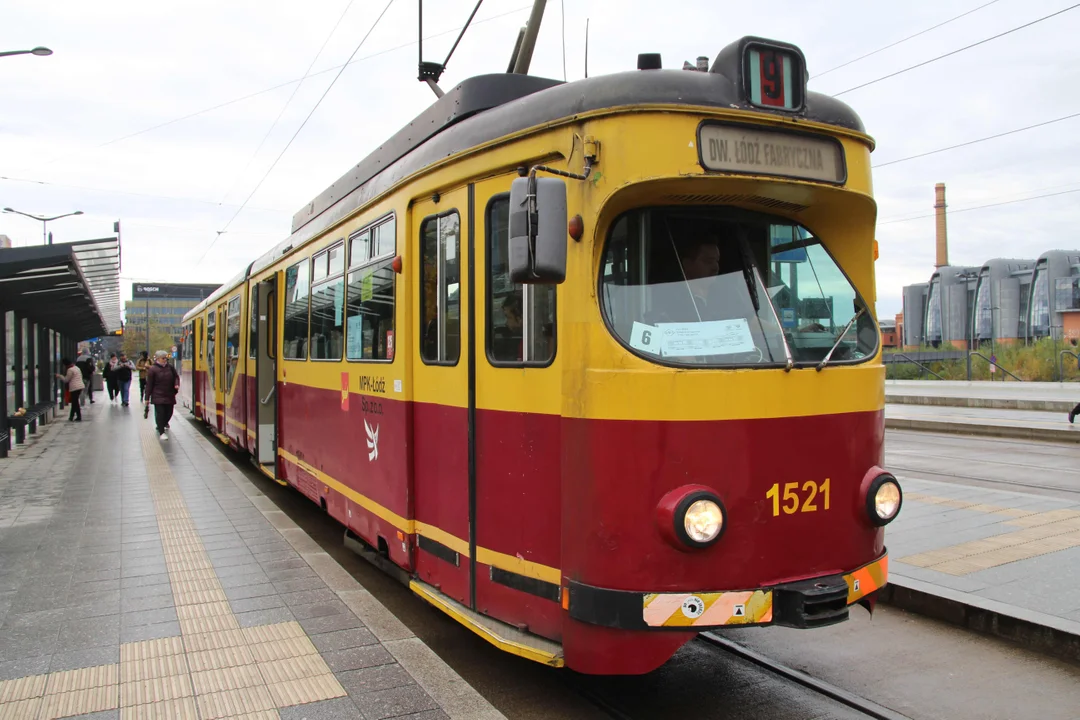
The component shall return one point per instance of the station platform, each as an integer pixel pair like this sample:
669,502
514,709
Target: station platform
142,578
1037,411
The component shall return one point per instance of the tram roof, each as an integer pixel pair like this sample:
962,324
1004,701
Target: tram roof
487,107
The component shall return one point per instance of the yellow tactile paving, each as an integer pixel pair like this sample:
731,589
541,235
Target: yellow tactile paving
297,692
91,677
1042,533
79,702
233,678
22,688
153,668
182,709
278,631
222,658
145,692
214,669
234,702
20,709
215,640
296,668
282,649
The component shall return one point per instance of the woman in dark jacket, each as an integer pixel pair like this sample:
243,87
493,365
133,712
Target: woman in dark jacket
162,384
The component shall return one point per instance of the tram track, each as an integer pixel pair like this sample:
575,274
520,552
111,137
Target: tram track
901,472
858,703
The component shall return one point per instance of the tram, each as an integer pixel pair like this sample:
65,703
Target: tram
593,365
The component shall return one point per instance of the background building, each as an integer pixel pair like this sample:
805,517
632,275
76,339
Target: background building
1003,301
164,304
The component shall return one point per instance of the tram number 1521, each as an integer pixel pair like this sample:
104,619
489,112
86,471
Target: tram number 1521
794,501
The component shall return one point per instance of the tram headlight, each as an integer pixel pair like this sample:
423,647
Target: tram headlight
703,521
883,499
691,517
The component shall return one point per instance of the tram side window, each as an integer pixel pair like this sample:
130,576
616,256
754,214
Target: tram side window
328,305
370,311
440,302
253,320
295,339
211,330
521,318
232,342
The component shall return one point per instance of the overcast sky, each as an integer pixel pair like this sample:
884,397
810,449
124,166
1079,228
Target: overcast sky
123,67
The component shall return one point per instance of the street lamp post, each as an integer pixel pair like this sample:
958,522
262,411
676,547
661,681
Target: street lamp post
43,220
35,51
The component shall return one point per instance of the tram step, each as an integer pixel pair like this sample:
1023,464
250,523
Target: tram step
503,636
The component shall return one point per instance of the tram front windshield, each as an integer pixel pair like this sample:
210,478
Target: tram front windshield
727,288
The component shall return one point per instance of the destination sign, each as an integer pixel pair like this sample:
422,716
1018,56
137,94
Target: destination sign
762,152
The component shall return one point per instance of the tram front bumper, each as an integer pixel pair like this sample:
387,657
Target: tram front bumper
814,602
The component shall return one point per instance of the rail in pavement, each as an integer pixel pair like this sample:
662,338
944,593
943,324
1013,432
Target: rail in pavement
154,579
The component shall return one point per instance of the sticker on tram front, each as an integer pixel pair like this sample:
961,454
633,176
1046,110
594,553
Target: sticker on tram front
693,606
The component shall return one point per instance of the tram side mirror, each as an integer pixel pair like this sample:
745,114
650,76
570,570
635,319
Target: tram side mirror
538,248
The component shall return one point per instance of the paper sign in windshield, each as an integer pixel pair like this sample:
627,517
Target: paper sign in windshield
718,337
645,338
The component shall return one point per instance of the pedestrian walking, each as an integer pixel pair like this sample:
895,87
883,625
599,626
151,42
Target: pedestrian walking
85,363
73,377
123,371
110,378
162,385
142,366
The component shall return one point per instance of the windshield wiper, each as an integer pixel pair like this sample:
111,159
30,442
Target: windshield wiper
753,279
748,271
847,327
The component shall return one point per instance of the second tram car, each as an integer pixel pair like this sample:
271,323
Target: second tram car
594,364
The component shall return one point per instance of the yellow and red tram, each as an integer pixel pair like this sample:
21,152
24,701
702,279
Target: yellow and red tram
593,363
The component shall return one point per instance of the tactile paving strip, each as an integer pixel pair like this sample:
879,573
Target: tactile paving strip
213,670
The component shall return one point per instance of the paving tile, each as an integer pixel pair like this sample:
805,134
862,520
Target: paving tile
263,602
303,573
329,623
24,667
148,617
322,609
88,657
152,602
264,617
149,632
336,709
357,658
240,580
396,701
304,584
305,597
90,632
343,639
374,678
157,589
141,580
93,586
93,609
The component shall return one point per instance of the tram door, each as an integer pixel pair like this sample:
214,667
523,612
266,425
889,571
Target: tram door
439,235
222,361
266,375
517,429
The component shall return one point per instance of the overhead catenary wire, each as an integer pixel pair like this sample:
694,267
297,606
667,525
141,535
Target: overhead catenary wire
899,42
287,83
981,207
979,140
288,102
958,50
297,133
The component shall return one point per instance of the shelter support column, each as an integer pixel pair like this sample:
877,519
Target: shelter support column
31,365
6,444
20,362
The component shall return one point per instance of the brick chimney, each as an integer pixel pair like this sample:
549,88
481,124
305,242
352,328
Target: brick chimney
942,233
